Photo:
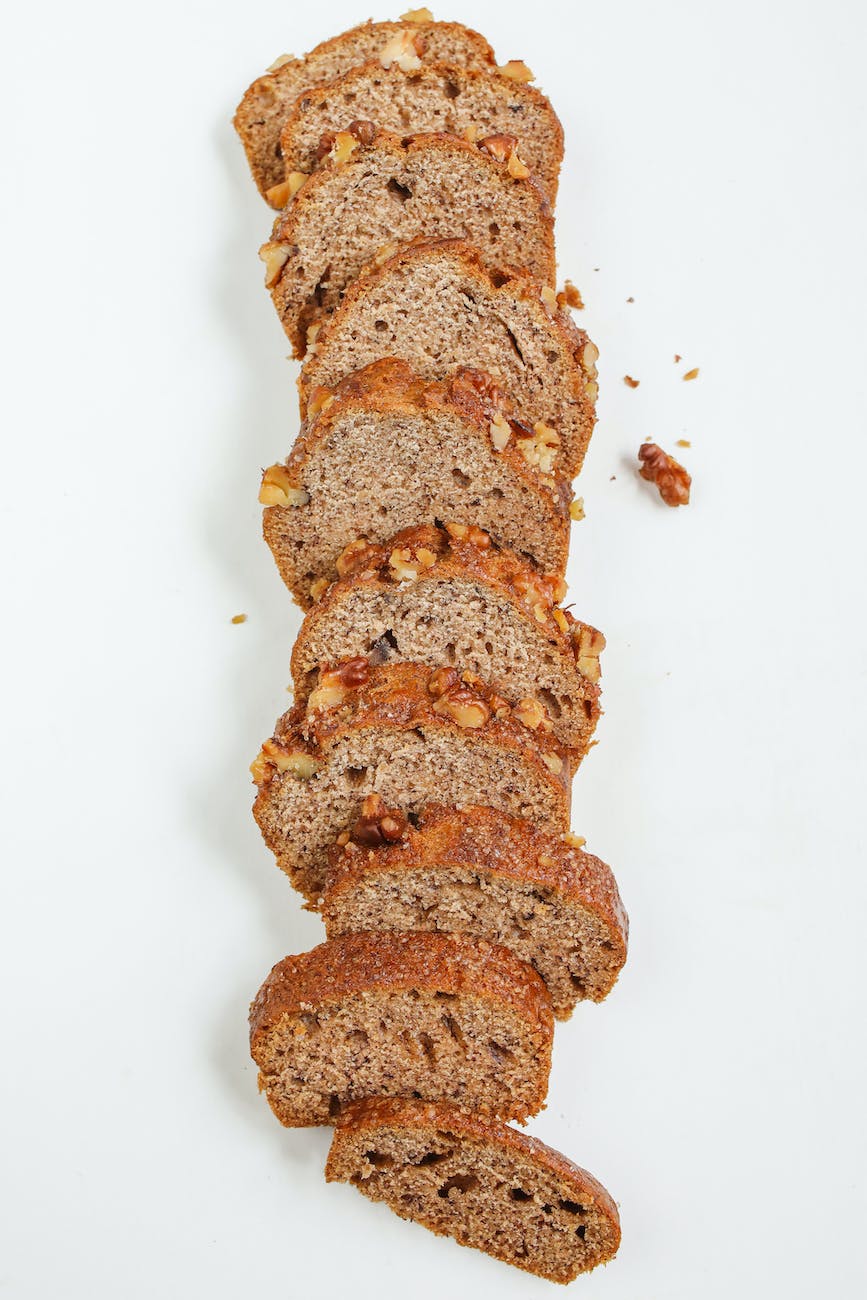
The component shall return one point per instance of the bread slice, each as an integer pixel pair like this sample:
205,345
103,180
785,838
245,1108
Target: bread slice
476,871
478,1180
439,306
364,197
262,112
386,451
432,97
409,735
412,1015
448,597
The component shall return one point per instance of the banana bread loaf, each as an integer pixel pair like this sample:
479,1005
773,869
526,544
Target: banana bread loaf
409,735
425,1015
477,871
478,1180
448,597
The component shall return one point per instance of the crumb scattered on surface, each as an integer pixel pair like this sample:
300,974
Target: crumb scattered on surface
630,382
630,300
684,442
613,478
670,477
239,618
677,358
570,296
691,374
576,510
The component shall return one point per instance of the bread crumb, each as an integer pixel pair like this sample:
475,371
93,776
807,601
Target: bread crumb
613,478
677,358
630,300
239,618
630,382
691,374
683,442
570,296
576,510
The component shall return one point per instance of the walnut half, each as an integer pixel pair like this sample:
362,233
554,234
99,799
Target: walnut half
670,477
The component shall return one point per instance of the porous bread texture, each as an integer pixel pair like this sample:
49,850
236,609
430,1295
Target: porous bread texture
262,112
477,1180
437,305
391,737
479,872
390,451
432,98
388,192
401,1015
451,598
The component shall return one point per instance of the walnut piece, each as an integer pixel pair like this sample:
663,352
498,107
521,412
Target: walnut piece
417,16
464,707
275,257
442,680
318,589
569,296
402,50
589,643
354,557
470,533
500,147
670,477
377,824
532,714
274,757
515,70
280,61
336,681
691,374
277,489
574,841
500,432
630,382
343,148
576,509
517,168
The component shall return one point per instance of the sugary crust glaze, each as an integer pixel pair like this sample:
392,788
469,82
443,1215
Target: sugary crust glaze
446,188
390,387
267,103
433,97
416,558
363,1130
502,300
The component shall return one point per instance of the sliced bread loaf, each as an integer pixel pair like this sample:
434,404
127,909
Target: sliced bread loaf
386,451
477,871
437,305
448,597
478,1180
411,1015
373,190
409,735
432,97
262,112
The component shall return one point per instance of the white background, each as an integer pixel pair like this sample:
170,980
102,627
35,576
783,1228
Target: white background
715,172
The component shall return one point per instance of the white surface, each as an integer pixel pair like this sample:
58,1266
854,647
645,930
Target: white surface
716,173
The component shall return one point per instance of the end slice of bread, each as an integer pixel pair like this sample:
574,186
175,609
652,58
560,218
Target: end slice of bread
437,305
409,735
267,103
477,871
419,1015
477,1180
450,598
431,98
364,198
387,451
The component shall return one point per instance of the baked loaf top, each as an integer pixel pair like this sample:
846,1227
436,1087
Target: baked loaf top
464,1176
373,189
391,961
267,103
474,315
432,97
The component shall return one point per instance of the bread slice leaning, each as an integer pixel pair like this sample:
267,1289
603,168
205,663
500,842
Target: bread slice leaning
448,597
432,97
477,871
407,734
423,1015
385,451
437,305
363,197
477,1180
262,112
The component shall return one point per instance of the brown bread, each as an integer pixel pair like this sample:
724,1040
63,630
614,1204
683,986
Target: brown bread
401,1015
477,1180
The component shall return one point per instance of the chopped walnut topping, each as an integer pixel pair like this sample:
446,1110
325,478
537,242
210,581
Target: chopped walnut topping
403,50
691,374
592,390
278,195
471,133
515,70
275,757
630,382
561,620
569,296
574,841
589,357
576,509
470,533
442,680
275,257
669,476
500,432
464,707
531,713
553,762
417,16
354,557
589,643
376,825
400,563
337,681
277,489
280,61
383,254
500,147
517,168
549,298
343,148
364,131
318,589
320,401
427,559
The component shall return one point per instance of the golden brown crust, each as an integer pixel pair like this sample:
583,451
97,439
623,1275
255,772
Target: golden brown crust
406,696
442,1117
495,844
279,87
397,962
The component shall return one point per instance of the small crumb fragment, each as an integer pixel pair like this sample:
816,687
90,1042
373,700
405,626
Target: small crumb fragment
692,374
596,268
576,510
239,618
630,300
684,442
613,478
677,358
630,382
670,477
569,296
